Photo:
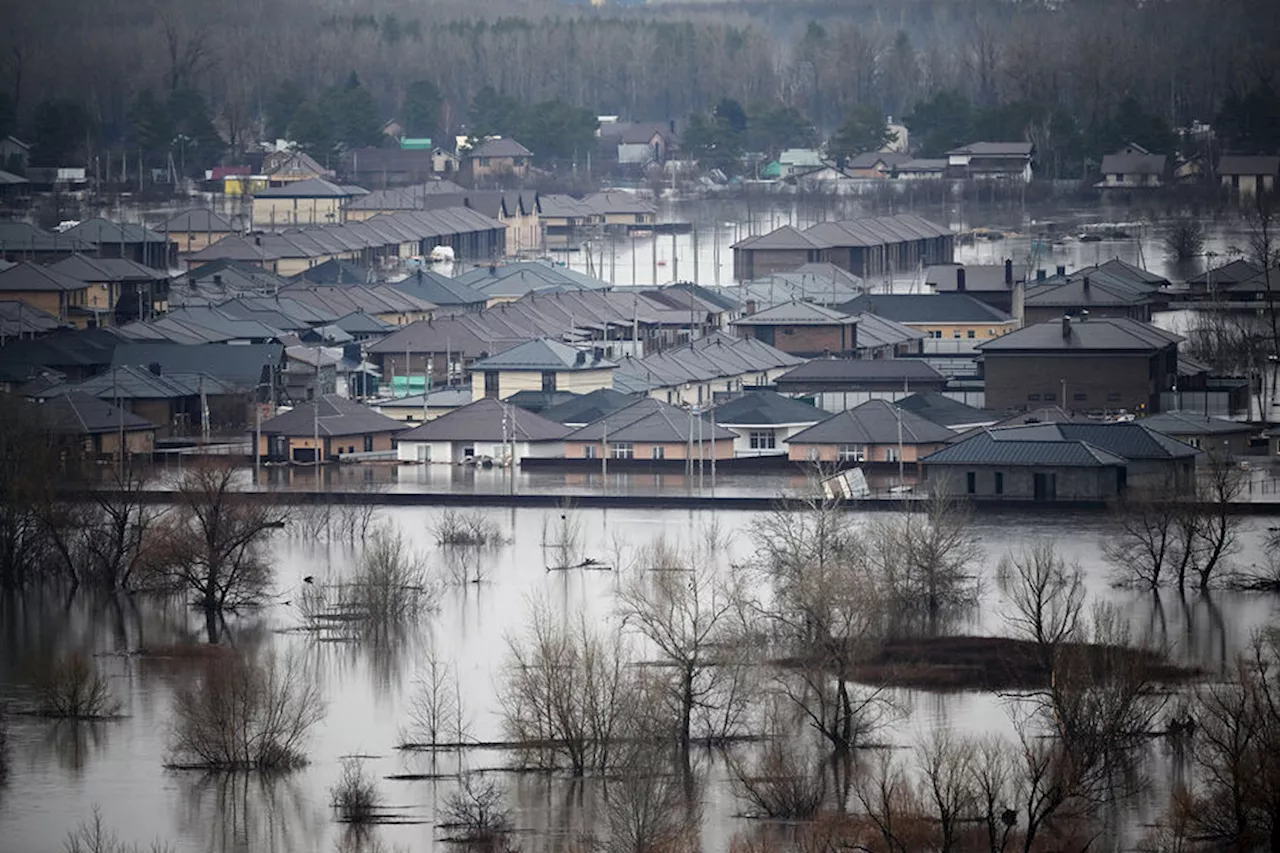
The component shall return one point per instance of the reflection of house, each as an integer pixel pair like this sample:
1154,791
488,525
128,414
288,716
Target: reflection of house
1247,174
98,425
764,421
876,431
1132,166
651,431
1008,161
339,425
483,429
494,159
543,364
1085,365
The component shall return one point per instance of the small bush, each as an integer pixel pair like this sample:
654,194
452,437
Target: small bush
355,797
1184,241
786,782
240,715
467,529
476,813
71,687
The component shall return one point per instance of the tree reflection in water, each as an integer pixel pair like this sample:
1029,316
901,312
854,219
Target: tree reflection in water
246,811
72,743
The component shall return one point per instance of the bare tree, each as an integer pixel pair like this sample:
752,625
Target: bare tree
566,692
71,687
948,792
1153,539
684,605
826,613
1216,524
1046,596
1184,240
649,805
476,813
93,836
239,714
784,779
436,712
355,797
885,795
214,540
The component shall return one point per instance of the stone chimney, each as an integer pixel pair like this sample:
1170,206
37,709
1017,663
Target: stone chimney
751,308
1085,284
1066,327
1008,272
1062,270
960,282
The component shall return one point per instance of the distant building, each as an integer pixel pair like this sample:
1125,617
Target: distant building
97,426
874,432
1248,175
197,229
1132,167
865,247
803,329
837,384
991,284
309,202
495,159
342,427
543,364
951,322
764,421
1001,161
484,429
649,432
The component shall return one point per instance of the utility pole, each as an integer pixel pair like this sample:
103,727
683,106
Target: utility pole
315,417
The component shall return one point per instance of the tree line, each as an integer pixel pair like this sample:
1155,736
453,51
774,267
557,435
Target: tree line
1077,77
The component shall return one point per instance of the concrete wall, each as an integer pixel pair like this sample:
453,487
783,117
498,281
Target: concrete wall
1019,381
874,452
1072,484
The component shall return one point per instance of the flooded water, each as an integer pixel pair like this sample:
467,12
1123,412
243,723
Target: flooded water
62,772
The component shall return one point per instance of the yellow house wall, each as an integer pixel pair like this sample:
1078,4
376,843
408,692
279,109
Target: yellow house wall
43,299
277,212
138,441
628,219
331,445
293,266
723,448
875,452
195,241
981,331
582,381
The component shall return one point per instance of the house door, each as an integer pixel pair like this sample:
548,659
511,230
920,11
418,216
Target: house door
1122,480
1046,487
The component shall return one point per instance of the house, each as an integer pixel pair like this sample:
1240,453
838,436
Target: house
419,408
284,167
583,409
15,155
1216,437
951,322
314,201
649,431
637,143
495,159
874,432
999,161
798,161
983,467
19,320
991,284
134,291
837,384
484,429
876,164
803,329
563,214
693,374
197,229
622,210
99,427
1109,363
22,241
1211,284
73,301
921,169
124,240
945,411
1249,174
389,167
764,421
243,368
865,247
1113,288
174,404
334,425
1132,167
447,294
543,364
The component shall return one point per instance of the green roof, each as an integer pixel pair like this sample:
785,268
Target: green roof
418,144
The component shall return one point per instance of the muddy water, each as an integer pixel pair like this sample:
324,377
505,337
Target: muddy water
61,773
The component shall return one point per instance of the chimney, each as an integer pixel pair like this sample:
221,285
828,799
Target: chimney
960,283
1086,287
493,270
751,307
155,368
1062,270
1040,274
217,278
581,358
1008,272
671,126
1066,327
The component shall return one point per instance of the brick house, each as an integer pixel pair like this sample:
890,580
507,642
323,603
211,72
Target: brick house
1108,363
802,328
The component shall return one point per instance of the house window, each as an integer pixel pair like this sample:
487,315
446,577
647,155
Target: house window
1050,397
891,454
787,330
971,482
548,381
1193,440
763,440
622,450
971,334
639,218
999,482
1033,398
852,453
1113,396
956,333
1079,396
588,451
659,452
491,384
368,444
484,162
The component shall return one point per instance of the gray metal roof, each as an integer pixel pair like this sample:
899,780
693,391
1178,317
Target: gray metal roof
80,414
873,422
29,277
543,354
104,231
499,148
619,202
832,370
588,408
766,408
926,308
129,382
994,149
1082,292
483,421
1249,164
310,188
330,415
786,238
99,270
1129,440
441,398
982,278
1097,334
983,449
1185,423
796,314
242,366
17,319
944,411
1133,163
198,220
439,289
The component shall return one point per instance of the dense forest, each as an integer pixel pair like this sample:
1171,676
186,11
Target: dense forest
81,78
